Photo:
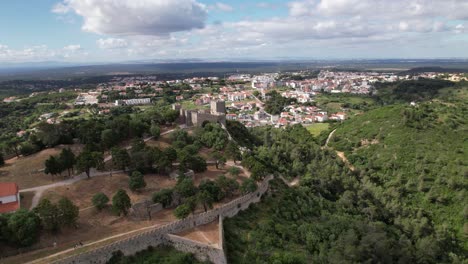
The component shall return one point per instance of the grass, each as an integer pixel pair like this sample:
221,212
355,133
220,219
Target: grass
333,103
82,192
26,199
190,105
28,171
317,128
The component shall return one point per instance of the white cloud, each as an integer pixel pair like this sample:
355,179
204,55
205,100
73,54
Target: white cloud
72,48
175,28
136,17
61,8
112,43
223,7
41,53
451,9
460,29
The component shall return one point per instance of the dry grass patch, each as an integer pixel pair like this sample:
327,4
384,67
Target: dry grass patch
82,192
26,199
208,234
28,171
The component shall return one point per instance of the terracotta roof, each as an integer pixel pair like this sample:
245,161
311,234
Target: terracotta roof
9,207
8,188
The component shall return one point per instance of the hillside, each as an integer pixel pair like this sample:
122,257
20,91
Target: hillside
413,156
403,203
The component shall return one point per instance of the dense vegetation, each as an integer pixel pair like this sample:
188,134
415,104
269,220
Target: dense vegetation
413,90
23,228
420,168
159,255
403,203
276,103
20,115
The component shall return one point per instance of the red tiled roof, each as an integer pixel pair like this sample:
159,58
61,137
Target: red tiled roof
8,188
9,207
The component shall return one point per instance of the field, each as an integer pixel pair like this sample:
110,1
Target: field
338,102
317,128
28,171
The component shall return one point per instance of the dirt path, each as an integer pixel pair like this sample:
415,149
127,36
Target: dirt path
329,137
38,191
245,171
292,183
345,160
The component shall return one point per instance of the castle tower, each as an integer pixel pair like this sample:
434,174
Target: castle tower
218,107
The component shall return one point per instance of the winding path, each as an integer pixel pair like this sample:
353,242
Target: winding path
340,154
329,137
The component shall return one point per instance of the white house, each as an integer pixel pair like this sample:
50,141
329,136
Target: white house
9,197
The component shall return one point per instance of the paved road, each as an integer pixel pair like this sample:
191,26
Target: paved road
39,190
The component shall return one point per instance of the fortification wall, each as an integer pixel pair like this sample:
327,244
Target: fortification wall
201,251
144,210
159,235
221,236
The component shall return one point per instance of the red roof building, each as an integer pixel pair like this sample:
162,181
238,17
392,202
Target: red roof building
9,197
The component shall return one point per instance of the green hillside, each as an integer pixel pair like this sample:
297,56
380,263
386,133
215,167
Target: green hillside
405,201
415,157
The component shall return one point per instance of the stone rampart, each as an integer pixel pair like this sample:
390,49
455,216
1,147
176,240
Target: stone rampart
201,251
144,210
159,235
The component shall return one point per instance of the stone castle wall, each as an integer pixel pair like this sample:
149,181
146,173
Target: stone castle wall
143,210
160,235
201,251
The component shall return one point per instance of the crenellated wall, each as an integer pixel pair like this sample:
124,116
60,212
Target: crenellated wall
161,235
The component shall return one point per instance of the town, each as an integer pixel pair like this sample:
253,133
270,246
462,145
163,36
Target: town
244,95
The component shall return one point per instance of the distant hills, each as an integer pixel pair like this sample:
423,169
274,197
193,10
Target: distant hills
432,69
61,70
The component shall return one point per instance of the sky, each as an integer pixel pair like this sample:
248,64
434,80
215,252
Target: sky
84,31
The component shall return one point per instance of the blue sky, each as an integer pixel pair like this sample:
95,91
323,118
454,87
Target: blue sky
123,30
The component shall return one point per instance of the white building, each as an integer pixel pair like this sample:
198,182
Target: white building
137,101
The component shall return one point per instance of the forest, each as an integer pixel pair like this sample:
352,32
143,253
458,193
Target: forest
403,200
159,255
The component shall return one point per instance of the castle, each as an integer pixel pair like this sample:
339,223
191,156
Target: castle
217,114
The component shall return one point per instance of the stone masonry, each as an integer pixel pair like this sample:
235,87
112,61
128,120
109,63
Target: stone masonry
163,234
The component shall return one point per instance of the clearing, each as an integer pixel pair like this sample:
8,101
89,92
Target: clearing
317,128
28,171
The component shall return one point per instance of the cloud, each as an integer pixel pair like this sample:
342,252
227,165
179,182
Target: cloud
223,7
165,28
112,43
136,17
450,9
72,48
41,53
460,29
